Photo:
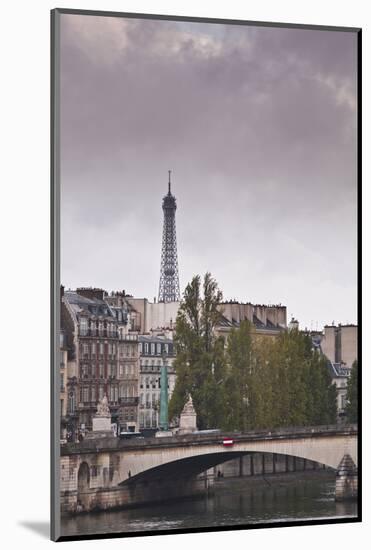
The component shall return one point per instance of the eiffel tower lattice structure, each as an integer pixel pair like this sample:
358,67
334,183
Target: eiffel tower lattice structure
169,274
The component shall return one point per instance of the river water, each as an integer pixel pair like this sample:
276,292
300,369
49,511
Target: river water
236,501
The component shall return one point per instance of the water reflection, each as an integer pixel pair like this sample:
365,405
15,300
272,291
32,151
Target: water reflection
234,502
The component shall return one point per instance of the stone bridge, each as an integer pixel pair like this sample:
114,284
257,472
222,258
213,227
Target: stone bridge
110,472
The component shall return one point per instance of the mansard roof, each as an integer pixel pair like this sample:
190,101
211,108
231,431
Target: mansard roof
92,306
257,323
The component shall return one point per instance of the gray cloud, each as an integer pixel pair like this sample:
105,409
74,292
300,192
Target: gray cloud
259,127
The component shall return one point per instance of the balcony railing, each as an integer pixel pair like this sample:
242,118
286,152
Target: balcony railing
98,334
129,400
128,337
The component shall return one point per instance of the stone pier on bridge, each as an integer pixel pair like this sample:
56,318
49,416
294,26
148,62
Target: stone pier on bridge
106,473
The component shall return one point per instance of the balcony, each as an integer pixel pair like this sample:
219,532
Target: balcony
88,333
127,401
128,338
110,334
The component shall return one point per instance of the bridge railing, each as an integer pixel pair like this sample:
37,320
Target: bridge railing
115,443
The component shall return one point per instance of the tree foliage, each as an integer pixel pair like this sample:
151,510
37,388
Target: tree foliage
200,356
249,381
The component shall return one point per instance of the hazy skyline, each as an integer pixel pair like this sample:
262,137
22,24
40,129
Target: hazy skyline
258,126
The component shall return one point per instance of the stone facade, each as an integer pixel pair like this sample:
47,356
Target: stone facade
152,347
346,479
340,344
154,315
105,354
63,363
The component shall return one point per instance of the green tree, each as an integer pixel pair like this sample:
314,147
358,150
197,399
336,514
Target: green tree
237,381
351,408
249,382
200,355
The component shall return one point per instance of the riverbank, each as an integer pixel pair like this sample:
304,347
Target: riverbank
272,480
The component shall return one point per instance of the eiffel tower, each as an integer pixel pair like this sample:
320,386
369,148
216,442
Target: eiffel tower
169,274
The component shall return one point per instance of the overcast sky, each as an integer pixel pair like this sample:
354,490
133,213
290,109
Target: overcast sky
258,126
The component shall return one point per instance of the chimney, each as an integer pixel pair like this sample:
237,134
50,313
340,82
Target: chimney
91,293
62,291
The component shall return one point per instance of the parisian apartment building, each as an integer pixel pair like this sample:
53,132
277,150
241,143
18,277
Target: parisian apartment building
103,359
156,349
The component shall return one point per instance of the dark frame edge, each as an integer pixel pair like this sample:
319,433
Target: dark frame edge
54,277
195,19
359,262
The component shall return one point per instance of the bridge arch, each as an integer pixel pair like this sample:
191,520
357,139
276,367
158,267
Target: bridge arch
326,449
192,466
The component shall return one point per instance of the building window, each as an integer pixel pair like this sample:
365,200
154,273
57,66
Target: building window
140,347
93,394
158,349
101,370
152,349
148,420
62,382
71,402
85,394
83,326
146,349
101,392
